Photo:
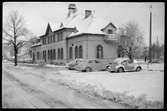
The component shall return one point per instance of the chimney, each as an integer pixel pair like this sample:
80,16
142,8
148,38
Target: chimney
71,9
88,13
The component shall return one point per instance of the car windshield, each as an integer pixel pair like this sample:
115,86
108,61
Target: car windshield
119,60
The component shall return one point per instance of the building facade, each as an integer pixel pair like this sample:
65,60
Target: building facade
79,36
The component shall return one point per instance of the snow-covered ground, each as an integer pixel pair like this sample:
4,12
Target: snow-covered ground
129,87
135,83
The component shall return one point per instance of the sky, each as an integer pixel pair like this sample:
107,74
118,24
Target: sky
38,14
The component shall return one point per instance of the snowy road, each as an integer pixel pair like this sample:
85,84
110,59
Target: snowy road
30,87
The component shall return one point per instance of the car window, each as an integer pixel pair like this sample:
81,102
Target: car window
90,61
124,62
97,61
130,61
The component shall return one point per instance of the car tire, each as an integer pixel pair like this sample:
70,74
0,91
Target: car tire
120,69
106,68
88,69
138,69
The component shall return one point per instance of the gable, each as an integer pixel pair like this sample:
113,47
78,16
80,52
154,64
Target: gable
48,29
110,28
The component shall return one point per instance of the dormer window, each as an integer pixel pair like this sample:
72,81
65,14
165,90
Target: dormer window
110,31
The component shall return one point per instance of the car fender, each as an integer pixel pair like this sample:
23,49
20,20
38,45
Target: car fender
118,66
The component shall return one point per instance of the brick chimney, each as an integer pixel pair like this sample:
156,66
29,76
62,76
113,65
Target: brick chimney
71,9
88,13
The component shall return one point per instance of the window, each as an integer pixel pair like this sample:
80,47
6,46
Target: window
44,40
33,57
37,55
58,36
51,38
54,37
99,50
90,61
58,53
54,54
48,54
48,38
76,51
45,55
61,35
80,51
61,53
51,54
110,31
70,53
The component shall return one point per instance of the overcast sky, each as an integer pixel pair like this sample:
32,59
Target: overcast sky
38,14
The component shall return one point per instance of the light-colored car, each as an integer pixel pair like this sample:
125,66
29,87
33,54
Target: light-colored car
71,65
122,65
90,65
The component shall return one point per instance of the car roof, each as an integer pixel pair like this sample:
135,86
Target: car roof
120,59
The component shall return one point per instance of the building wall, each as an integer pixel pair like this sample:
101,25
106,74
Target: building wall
109,49
60,42
89,43
35,50
56,45
77,41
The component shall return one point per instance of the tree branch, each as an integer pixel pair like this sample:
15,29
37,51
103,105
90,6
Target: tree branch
7,34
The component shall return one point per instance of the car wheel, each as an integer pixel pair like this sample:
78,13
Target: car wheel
138,69
106,68
120,69
88,69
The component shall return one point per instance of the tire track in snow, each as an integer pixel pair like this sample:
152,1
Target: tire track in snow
47,99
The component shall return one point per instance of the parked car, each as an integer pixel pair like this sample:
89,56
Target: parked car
71,65
90,65
122,65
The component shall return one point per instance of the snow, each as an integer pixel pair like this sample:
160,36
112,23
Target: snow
135,83
36,44
52,65
91,24
23,88
149,84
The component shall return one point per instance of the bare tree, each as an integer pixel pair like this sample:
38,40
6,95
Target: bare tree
131,39
14,31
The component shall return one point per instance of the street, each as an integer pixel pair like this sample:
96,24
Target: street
30,88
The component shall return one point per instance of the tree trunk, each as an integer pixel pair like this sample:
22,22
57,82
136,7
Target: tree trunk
15,56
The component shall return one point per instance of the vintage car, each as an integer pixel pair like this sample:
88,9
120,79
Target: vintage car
122,65
71,65
89,65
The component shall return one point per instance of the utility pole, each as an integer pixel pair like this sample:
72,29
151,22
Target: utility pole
150,49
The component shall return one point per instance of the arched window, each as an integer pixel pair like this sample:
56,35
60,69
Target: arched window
51,54
58,53
99,50
33,58
80,51
54,54
48,54
70,53
76,51
61,53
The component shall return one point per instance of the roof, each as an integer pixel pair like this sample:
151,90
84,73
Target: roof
83,25
36,44
89,25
